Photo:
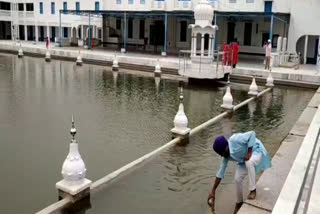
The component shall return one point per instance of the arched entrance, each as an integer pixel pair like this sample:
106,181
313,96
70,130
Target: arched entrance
307,47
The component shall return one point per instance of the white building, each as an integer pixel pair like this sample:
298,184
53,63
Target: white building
162,25
35,20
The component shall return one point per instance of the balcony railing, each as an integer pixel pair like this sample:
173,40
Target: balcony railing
159,5
5,13
183,5
29,13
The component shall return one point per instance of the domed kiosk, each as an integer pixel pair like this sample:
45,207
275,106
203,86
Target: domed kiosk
202,62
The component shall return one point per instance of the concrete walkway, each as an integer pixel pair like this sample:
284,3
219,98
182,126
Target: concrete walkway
272,180
170,64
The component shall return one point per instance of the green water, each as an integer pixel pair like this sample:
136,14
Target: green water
118,119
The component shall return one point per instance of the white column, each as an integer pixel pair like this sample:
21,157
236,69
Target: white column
212,45
318,58
209,46
26,32
192,51
202,45
195,45
36,28
81,26
82,36
305,49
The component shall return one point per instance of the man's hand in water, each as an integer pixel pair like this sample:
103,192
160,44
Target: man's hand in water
212,196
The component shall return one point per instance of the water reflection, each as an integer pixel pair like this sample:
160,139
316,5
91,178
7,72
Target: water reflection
79,207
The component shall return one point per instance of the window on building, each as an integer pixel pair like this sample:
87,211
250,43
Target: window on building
130,1
65,32
142,1
53,9
4,6
65,6
130,28
41,7
97,6
268,6
183,31
20,7
232,1
118,1
141,29
118,24
29,7
99,33
250,1
77,6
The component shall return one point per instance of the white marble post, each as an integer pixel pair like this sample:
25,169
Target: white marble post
26,32
209,46
279,44
195,44
82,35
36,28
202,45
305,49
192,41
318,58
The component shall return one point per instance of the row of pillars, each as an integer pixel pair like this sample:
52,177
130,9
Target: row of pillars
124,33
202,50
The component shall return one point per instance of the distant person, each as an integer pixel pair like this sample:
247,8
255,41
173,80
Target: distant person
251,158
47,42
225,53
235,52
267,48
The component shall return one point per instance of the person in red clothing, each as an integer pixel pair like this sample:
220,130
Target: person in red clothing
225,53
47,43
235,52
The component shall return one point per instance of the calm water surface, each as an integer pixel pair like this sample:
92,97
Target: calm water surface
118,119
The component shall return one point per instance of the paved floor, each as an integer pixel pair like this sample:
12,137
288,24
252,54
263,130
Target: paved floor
246,65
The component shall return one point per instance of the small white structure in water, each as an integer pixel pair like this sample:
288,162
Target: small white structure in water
157,70
270,80
74,181
204,63
48,56
253,90
180,120
227,99
79,60
20,52
115,64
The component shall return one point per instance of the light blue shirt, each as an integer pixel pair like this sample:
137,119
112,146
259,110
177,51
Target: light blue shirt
238,147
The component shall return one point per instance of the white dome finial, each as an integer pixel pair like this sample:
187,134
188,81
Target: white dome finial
115,64
227,98
79,59
270,80
157,70
73,169
180,120
253,90
203,13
